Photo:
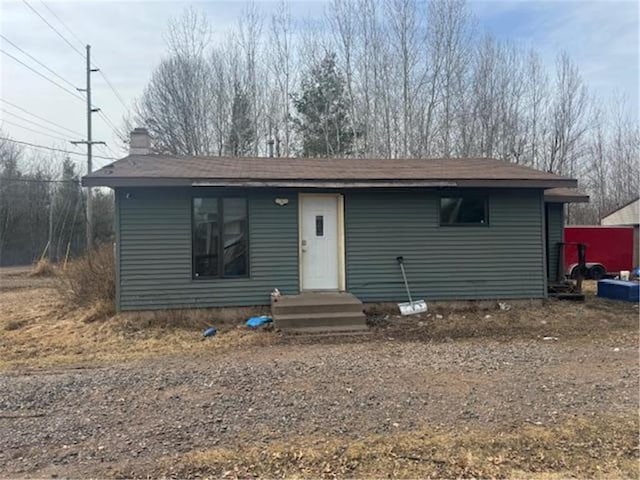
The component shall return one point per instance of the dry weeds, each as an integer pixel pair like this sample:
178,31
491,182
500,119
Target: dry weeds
90,281
588,447
39,329
43,268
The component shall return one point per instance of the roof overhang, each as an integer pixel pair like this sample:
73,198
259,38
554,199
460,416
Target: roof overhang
565,195
115,182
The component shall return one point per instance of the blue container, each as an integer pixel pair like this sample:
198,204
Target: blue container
209,332
619,290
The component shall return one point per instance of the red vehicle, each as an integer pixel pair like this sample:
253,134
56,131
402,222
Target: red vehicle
609,249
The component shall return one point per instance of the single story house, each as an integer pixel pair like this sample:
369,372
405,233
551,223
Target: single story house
218,231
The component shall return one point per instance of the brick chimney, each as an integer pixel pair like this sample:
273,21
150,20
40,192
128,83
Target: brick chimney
139,142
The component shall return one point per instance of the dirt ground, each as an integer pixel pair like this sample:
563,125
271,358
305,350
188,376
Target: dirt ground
542,391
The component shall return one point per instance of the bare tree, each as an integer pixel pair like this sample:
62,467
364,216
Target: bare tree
249,38
282,71
597,173
537,92
568,117
453,20
176,106
405,37
343,20
188,35
418,81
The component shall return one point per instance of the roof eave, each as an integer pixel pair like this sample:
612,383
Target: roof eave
114,182
566,198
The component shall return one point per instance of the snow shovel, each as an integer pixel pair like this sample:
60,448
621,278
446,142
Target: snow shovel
411,307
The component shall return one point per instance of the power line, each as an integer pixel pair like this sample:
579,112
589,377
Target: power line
37,61
62,23
107,147
43,76
108,121
35,131
53,28
90,108
113,89
35,123
104,75
101,113
38,117
51,148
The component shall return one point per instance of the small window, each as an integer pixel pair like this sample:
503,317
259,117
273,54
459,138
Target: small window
463,210
319,226
220,237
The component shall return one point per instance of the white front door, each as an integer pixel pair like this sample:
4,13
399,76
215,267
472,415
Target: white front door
320,242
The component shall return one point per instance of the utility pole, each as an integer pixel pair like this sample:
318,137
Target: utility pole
89,142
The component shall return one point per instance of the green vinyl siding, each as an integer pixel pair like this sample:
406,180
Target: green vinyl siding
504,259
155,251
555,234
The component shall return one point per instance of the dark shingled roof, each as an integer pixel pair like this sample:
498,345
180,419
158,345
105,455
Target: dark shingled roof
169,170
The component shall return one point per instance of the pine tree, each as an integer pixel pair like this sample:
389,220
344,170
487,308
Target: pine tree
9,194
323,111
242,131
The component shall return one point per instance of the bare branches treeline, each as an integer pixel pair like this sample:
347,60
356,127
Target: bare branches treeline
392,78
372,78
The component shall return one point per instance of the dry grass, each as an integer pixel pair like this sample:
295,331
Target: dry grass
41,328
38,329
586,447
43,268
222,318
89,281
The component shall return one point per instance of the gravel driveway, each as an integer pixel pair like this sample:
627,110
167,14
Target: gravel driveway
99,421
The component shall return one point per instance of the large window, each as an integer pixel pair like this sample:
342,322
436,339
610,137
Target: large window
464,210
220,237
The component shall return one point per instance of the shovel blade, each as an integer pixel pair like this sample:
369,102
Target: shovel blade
411,308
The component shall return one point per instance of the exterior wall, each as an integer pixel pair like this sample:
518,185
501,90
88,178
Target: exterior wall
555,234
627,215
154,227
504,259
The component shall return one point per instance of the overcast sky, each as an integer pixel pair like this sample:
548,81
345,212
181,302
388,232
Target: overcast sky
126,38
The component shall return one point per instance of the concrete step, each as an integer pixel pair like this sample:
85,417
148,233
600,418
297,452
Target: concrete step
292,308
347,330
321,319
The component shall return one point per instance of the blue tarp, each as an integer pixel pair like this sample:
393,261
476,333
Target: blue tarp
255,322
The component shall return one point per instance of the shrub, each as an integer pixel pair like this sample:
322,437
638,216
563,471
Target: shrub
43,268
89,280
